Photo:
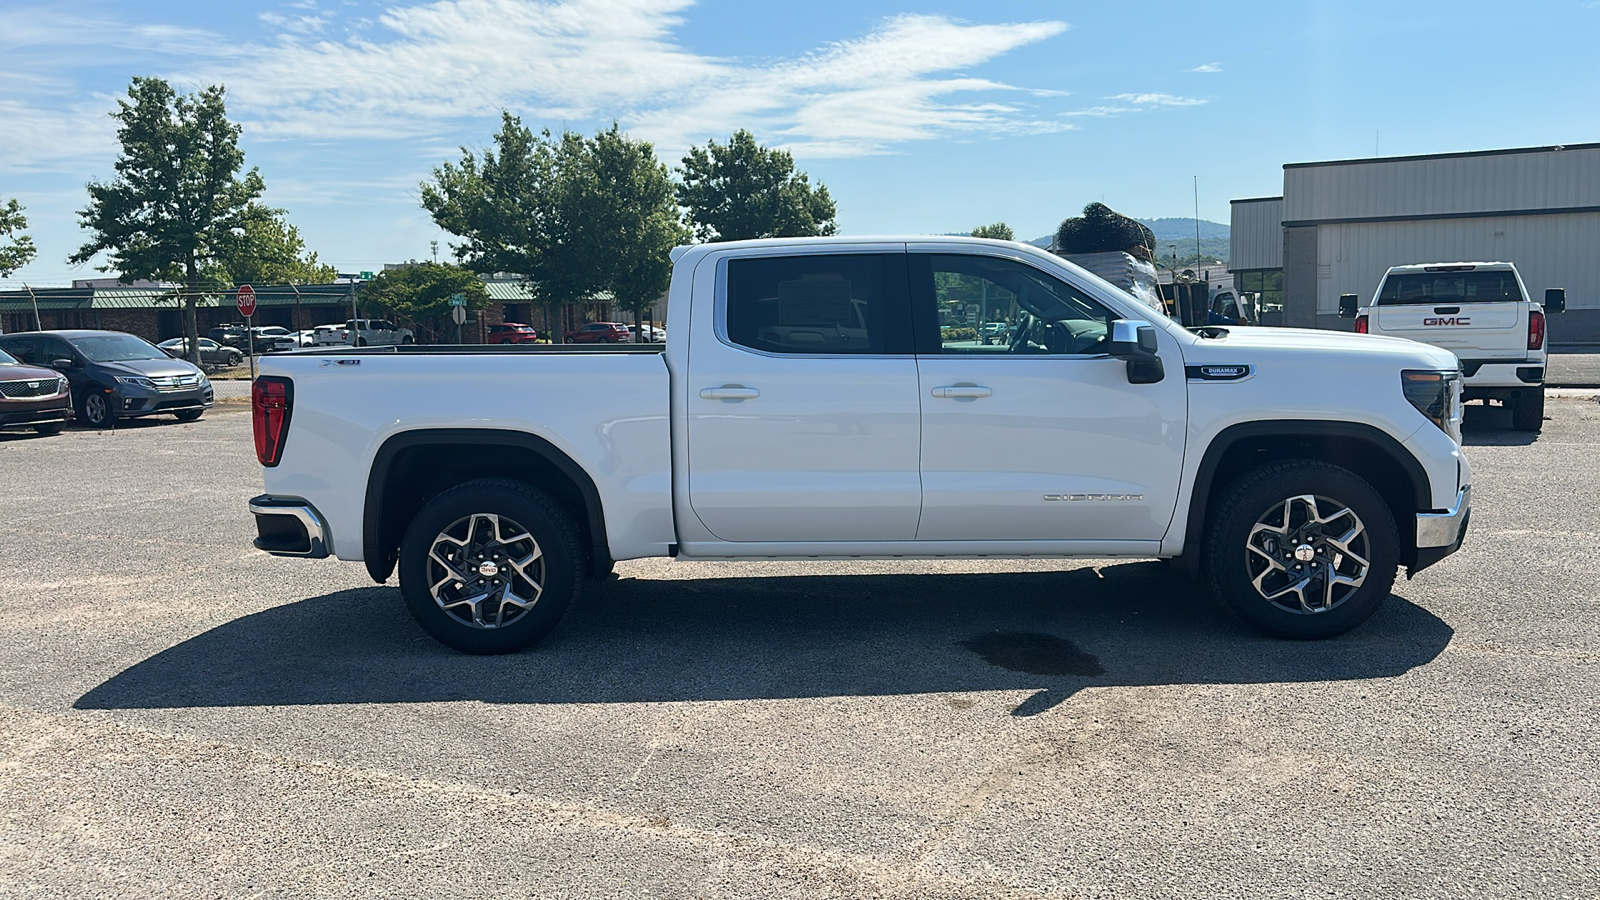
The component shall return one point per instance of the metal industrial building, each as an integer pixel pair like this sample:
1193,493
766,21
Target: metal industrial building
1339,225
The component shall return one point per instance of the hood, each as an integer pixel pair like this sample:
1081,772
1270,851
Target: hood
27,373
149,367
1242,344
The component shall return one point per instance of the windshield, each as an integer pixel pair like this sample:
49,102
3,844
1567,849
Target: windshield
116,348
7,359
1427,288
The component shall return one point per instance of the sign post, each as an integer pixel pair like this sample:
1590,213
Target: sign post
247,308
458,312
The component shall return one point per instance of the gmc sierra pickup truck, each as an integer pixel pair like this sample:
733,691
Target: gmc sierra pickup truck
1481,312
830,398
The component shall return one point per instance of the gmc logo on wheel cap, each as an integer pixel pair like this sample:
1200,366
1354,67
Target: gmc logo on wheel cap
1448,320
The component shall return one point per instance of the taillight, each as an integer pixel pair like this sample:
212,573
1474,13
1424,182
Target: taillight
271,402
1535,329
1361,324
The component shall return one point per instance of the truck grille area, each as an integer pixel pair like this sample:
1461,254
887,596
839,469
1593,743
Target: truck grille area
30,388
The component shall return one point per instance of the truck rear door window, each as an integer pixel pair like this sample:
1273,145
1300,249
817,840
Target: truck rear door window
1429,288
836,303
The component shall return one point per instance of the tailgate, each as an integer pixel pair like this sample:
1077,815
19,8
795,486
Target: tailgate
1470,330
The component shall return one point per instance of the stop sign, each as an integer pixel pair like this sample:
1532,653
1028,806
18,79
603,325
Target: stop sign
247,300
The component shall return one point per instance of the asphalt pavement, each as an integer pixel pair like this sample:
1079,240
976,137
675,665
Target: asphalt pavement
181,715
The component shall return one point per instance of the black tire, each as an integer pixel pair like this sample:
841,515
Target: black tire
189,415
1527,410
516,503
98,409
1260,496
48,428
408,339
234,359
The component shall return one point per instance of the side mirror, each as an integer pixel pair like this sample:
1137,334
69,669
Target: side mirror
1135,341
1555,300
1349,306
60,363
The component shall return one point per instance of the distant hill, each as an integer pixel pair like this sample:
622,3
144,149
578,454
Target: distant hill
1178,229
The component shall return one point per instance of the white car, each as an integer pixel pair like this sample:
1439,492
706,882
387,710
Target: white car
273,339
1483,314
806,406
364,333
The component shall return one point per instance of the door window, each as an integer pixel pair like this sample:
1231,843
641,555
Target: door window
830,304
984,305
24,348
52,349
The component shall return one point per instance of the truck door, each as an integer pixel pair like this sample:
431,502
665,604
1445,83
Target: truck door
803,415
1040,437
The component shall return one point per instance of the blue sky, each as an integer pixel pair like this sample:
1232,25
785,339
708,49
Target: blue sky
921,117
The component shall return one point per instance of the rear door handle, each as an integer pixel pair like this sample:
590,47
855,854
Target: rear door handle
730,392
962,392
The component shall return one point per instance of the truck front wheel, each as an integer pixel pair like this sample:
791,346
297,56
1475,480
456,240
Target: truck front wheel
1302,549
490,566
1527,410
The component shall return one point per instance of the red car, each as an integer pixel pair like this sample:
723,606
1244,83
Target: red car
600,333
513,333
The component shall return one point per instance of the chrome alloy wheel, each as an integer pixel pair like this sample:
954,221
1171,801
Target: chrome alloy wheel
1308,554
485,570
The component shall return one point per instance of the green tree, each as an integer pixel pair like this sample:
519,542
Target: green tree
501,202
178,203
16,248
619,219
999,231
421,293
271,252
743,190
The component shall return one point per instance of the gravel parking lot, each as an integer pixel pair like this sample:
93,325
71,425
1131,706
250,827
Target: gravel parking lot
181,715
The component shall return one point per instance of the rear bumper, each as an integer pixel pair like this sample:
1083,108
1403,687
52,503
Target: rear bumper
1440,534
1502,372
290,526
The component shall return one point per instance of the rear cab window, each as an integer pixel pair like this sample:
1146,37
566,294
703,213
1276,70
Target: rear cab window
1450,286
821,304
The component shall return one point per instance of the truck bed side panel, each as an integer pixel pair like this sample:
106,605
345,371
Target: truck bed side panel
608,412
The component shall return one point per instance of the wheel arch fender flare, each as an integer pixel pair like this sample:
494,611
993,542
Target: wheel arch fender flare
1209,477
380,559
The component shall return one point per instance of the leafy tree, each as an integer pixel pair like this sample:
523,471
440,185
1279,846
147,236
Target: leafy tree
1101,229
178,203
743,190
271,252
999,231
16,248
619,219
421,292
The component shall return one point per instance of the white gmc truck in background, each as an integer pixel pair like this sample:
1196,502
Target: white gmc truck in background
821,399
1482,313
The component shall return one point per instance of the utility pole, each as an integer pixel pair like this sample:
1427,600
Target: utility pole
37,326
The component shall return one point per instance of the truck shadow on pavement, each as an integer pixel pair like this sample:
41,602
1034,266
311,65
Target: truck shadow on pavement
644,640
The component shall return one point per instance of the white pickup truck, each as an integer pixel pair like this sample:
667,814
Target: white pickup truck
1482,313
824,399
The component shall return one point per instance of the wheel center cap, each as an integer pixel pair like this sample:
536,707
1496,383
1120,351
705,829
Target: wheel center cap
1304,553
488,569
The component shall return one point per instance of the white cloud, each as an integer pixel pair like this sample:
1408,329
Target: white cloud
1156,100
1208,68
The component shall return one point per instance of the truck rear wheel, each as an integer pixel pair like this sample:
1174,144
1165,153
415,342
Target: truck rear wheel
490,566
1527,410
1302,549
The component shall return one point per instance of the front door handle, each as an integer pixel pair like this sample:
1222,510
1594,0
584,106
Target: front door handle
962,392
730,392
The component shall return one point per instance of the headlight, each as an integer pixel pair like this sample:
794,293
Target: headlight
1437,395
136,380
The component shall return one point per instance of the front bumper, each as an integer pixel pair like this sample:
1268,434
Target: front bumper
36,412
1440,534
290,526
135,400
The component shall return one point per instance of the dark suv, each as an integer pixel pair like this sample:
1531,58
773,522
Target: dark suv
33,397
115,375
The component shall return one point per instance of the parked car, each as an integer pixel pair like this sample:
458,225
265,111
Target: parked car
797,411
653,334
1481,312
328,336
600,333
211,352
234,335
115,375
274,339
307,338
513,333
32,396
365,333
